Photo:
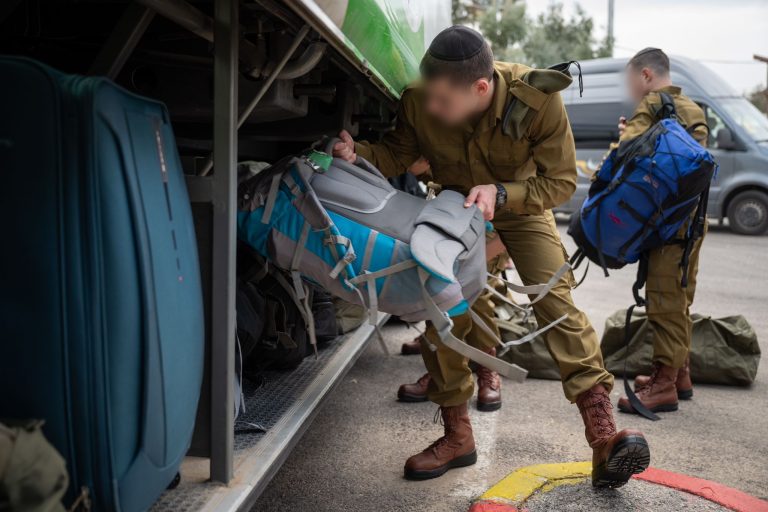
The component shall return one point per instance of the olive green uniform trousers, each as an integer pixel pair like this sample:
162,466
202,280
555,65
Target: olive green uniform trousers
668,303
537,252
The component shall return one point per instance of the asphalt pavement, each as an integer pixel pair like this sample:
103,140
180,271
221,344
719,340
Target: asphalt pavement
351,458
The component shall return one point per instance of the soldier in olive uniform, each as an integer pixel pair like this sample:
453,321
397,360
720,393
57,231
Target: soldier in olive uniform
499,133
668,302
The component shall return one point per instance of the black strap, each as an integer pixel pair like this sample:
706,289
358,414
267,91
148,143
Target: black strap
692,128
667,109
695,232
575,262
642,277
565,68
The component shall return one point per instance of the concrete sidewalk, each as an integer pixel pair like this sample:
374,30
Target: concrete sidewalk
351,459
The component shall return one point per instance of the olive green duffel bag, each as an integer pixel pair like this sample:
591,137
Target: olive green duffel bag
723,350
532,356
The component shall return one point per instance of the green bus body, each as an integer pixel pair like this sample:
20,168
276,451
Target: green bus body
383,38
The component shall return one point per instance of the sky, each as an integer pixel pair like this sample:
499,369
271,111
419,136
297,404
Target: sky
722,34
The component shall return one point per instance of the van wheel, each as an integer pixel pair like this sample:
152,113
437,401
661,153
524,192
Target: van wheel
748,213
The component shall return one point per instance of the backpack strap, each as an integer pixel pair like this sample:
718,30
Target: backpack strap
642,277
443,326
667,109
695,232
694,126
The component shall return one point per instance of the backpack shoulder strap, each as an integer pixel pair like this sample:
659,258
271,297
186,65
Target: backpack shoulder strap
642,276
667,109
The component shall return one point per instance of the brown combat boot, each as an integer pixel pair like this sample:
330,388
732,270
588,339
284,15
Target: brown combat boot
455,449
615,456
659,394
416,392
411,348
683,384
488,387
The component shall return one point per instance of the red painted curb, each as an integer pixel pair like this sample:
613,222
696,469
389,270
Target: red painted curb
491,506
721,494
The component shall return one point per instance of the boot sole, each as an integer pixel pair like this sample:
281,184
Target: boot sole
658,408
630,456
685,394
488,407
459,462
411,399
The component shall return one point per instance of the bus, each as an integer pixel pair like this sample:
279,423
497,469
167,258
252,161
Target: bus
242,80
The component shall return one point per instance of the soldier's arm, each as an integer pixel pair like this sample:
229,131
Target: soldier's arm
701,134
398,148
554,153
642,119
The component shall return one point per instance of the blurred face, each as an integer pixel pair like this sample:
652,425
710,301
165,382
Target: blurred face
639,82
454,103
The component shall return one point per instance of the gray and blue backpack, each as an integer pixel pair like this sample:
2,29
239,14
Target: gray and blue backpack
344,228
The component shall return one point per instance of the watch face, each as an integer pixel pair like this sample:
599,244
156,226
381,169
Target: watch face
501,195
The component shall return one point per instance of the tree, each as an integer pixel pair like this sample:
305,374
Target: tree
759,98
552,38
466,12
505,29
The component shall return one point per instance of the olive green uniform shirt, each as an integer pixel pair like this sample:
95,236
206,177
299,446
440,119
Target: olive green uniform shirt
689,114
537,167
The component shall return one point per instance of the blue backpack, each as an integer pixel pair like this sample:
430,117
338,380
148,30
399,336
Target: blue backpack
645,190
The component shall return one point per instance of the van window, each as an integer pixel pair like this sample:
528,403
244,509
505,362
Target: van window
595,125
746,115
715,124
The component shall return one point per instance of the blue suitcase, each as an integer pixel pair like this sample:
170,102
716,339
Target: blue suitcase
101,316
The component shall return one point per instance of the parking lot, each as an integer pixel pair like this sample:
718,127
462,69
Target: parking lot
352,456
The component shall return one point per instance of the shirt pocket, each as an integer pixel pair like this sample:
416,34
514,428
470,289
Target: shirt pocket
447,164
507,157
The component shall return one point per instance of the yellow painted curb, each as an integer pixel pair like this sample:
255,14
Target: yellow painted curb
521,484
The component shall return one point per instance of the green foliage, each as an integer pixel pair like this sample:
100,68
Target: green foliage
466,12
548,39
759,98
506,28
553,38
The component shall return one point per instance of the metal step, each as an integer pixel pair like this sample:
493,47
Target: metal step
285,404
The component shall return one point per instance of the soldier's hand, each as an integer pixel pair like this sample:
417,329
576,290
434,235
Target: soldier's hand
419,167
622,125
484,196
346,148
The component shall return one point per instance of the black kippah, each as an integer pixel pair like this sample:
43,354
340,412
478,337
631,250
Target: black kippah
456,43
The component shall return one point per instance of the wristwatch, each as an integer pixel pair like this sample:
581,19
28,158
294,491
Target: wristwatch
501,196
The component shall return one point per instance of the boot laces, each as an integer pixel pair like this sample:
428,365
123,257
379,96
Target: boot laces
487,377
651,379
444,441
599,411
